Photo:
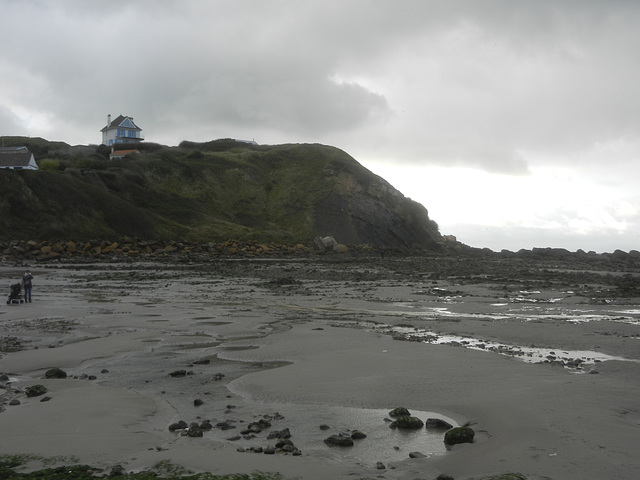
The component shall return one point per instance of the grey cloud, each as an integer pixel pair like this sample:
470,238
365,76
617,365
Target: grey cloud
464,82
9,123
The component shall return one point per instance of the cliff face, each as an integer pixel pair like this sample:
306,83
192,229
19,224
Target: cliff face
364,208
210,191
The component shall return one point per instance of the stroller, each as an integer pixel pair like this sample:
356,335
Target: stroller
15,295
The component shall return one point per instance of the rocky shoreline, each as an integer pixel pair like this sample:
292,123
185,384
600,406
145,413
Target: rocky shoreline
156,250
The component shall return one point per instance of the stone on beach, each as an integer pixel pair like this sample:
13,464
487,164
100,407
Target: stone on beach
407,422
339,441
459,435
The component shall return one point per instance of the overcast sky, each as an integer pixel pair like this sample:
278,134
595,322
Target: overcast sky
515,123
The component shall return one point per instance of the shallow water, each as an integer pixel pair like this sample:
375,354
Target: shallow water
524,353
382,444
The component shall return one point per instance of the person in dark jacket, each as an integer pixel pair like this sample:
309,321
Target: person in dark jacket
26,285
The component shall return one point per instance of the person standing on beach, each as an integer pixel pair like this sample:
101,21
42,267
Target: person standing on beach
26,284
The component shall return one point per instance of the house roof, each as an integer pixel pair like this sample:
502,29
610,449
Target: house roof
117,122
124,152
20,148
14,157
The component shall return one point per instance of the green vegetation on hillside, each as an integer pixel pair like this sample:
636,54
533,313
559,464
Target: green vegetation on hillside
199,192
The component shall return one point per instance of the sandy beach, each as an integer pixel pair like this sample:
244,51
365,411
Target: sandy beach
547,375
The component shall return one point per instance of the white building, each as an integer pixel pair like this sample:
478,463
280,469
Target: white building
121,130
17,158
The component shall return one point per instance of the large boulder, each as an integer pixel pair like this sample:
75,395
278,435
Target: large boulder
339,441
399,412
407,422
55,373
438,424
35,390
459,435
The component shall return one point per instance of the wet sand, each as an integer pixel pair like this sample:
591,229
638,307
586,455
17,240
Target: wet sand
323,341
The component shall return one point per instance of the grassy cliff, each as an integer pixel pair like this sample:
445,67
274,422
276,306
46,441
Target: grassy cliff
210,191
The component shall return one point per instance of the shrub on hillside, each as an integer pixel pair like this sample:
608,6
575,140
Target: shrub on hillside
49,164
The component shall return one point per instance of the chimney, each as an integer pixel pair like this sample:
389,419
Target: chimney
109,120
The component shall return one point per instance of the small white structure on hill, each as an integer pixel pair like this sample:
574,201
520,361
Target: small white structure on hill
17,158
121,130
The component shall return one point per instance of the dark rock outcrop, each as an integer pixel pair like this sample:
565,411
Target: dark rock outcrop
55,373
399,412
407,422
339,441
437,424
364,208
459,435
281,434
35,390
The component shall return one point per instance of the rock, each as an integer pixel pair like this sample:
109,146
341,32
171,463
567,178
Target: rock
416,455
407,422
443,476
399,412
459,435
178,373
181,425
380,466
197,402
341,248
259,426
284,433
358,435
194,430
284,442
55,373
339,441
45,399
35,390
14,402
117,471
324,427
438,424
225,426
269,451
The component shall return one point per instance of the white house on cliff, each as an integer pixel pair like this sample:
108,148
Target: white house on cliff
121,130
17,158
